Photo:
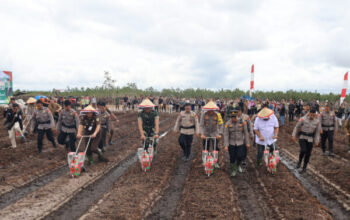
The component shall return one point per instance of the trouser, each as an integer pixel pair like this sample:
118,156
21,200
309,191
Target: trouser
49,135
305,151
93,145
12,134
61,139
244,152
339,122
291,116
171,108
236,154
282,119
102,142
261,149
185,142
327,135
148,141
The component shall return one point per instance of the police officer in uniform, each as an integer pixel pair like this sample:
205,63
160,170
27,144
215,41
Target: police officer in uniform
211,125
90,126
67,126
43,120
250,128
236,138
308,128
104,119
148,122
329,129
187,124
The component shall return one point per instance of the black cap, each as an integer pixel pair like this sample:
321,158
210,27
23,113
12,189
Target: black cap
67,102
39,102
312,110
101,103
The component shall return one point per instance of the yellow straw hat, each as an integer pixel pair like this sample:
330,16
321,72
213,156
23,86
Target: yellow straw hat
265,113
210,106
31,100
146,103
89,108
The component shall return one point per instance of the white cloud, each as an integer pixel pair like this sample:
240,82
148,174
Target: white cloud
176,43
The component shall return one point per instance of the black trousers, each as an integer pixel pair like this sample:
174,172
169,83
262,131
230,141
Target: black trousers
236,154
327,135
61,139
305,151
102,142
185,142
261,149
244,152
291,116
49,135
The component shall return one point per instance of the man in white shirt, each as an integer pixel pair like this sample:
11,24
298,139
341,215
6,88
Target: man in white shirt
266,130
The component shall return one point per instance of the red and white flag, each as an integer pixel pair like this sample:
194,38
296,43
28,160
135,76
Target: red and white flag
345,86
251,81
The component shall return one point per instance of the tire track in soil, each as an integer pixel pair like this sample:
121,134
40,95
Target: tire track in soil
165,206
284,196
43,177
330,171
317,189
80,203
206,197
64,187
136,191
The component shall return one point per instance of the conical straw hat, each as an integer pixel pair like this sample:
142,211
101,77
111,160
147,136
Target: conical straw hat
146,103
210,106
31,100
265,113
89,108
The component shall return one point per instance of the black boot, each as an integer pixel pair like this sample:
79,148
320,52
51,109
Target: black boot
298,165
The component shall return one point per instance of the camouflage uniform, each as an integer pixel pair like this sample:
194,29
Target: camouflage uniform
67,125
43,121
329,126
89,128
148,124
105,125
309,133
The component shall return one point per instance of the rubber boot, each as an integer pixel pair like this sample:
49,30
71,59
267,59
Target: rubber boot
304,168
233,170
259,162
91,160
101,157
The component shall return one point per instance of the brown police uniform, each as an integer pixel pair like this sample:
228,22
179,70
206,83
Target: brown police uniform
67,125
329,126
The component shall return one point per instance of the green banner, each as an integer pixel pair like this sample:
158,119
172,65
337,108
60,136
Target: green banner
6,90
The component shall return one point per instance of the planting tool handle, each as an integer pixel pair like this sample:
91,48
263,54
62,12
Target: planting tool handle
206,142
82,137
144,142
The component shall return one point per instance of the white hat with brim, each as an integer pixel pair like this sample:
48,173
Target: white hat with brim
89,108
31,100
210,106
265,113
146,103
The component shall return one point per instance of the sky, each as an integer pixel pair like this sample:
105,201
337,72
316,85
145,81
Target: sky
300,45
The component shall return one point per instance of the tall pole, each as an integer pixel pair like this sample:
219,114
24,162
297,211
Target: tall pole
251,82
345,86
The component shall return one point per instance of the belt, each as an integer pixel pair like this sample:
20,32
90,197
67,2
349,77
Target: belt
68,126
45,122
306,134
190,127
327,126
